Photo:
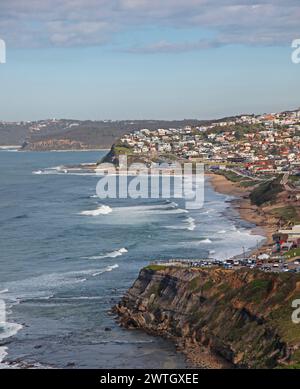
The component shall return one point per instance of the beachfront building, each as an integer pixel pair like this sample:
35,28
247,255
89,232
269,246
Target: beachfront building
290,237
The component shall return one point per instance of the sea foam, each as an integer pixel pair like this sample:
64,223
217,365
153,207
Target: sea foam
207,241
102,210
107,269
9,329
3,353
191,223
112,254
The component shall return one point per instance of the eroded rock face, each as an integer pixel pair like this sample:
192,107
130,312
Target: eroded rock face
243,316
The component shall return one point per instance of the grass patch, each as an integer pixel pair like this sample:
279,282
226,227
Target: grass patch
294,179
266,192
257,290
282,319
208,285
224,287
248,183
231,176
123,150
287,214
156,267
293,253
194,284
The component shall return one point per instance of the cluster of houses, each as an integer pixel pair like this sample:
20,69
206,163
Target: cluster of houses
265,144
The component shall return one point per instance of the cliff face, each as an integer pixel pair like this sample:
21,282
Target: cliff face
243,316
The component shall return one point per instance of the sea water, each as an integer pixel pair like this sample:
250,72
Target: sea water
66,258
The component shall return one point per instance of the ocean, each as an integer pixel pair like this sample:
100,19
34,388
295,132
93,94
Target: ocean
66,258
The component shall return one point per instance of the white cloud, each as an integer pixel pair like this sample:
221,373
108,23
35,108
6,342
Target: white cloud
45,23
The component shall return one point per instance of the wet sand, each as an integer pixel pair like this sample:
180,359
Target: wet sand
265,225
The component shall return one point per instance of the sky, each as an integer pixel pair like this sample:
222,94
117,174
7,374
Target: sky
147,59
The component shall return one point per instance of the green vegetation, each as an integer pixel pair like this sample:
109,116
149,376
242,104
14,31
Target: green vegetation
224,287
293,253
248,311
247,183
156,267
239,129
266,192
194,284
208,285
257,290
294,179
231,176
287,214
281,318
295,361
121,150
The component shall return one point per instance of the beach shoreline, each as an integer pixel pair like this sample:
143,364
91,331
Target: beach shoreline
247,211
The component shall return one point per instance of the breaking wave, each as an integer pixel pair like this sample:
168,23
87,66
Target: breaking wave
107,269
9,329
207,241
112,254
46,285
102,210
191,223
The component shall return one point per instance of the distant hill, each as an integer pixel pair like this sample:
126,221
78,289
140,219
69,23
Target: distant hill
13,134
65,134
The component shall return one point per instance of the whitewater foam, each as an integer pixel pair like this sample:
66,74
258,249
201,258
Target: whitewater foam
107,269
191,223
187,224
46,285
9,329
112,254
168,206
207,240
3,353
102,210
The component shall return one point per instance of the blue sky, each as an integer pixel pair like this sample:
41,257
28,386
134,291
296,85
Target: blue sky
140,59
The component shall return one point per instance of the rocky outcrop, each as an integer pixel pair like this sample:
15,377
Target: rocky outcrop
110,157
242,316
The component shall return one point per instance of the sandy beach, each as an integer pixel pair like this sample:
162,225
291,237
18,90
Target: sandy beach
265,224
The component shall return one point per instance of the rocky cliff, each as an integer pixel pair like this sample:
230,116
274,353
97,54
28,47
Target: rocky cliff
242,316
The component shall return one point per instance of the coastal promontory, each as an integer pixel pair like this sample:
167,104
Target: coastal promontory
239,318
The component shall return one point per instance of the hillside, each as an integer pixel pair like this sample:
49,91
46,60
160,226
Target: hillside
75,134
242,316
267,191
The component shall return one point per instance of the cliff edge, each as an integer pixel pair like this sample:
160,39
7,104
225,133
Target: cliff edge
242,316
